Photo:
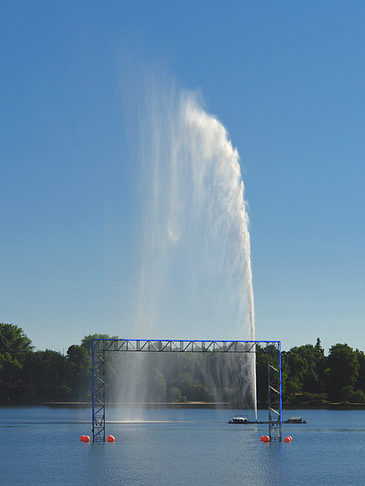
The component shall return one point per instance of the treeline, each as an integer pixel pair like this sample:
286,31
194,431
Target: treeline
309,376
28,376
312,378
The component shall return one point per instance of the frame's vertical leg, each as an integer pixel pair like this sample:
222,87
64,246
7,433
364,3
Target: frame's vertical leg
281,394
275,394
98,399
268,389
93,391
104,375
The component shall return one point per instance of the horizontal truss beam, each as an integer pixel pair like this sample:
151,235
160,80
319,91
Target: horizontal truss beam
149,345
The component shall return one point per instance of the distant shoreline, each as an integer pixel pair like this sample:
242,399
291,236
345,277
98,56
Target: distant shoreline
191,404
325,406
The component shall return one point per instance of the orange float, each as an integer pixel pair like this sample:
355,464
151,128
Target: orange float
265,438
111,438
86,438
82,438
288,439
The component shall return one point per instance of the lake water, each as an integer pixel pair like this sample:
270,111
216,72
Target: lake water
40,446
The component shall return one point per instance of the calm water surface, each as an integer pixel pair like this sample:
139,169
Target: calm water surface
40,446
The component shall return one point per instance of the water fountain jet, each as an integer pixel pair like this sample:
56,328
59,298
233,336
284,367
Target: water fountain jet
196,276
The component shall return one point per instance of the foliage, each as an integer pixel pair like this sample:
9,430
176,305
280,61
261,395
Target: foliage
79,361
13,340
87,341
309,377
343,372
303,369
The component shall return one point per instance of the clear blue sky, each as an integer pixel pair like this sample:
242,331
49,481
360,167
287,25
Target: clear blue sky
288,81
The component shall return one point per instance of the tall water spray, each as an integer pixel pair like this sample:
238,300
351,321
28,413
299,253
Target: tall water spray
196,278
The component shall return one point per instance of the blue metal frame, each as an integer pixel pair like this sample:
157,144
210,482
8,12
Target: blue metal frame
98,372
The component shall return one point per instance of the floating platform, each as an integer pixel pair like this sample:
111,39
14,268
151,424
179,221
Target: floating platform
245,421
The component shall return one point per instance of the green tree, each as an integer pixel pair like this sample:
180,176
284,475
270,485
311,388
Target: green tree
47,375
87,341
311,374
79,362
343,372
261,375
295,368
158,386
360,384
175,394
10,377
13,340
14,347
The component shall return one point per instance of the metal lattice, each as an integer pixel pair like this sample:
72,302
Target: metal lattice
101,346
275,401
98,396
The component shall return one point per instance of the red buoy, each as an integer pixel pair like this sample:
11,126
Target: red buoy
82,438
86,438
288,439
111,438
265,438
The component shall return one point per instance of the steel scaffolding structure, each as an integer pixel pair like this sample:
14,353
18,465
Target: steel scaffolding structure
102,346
